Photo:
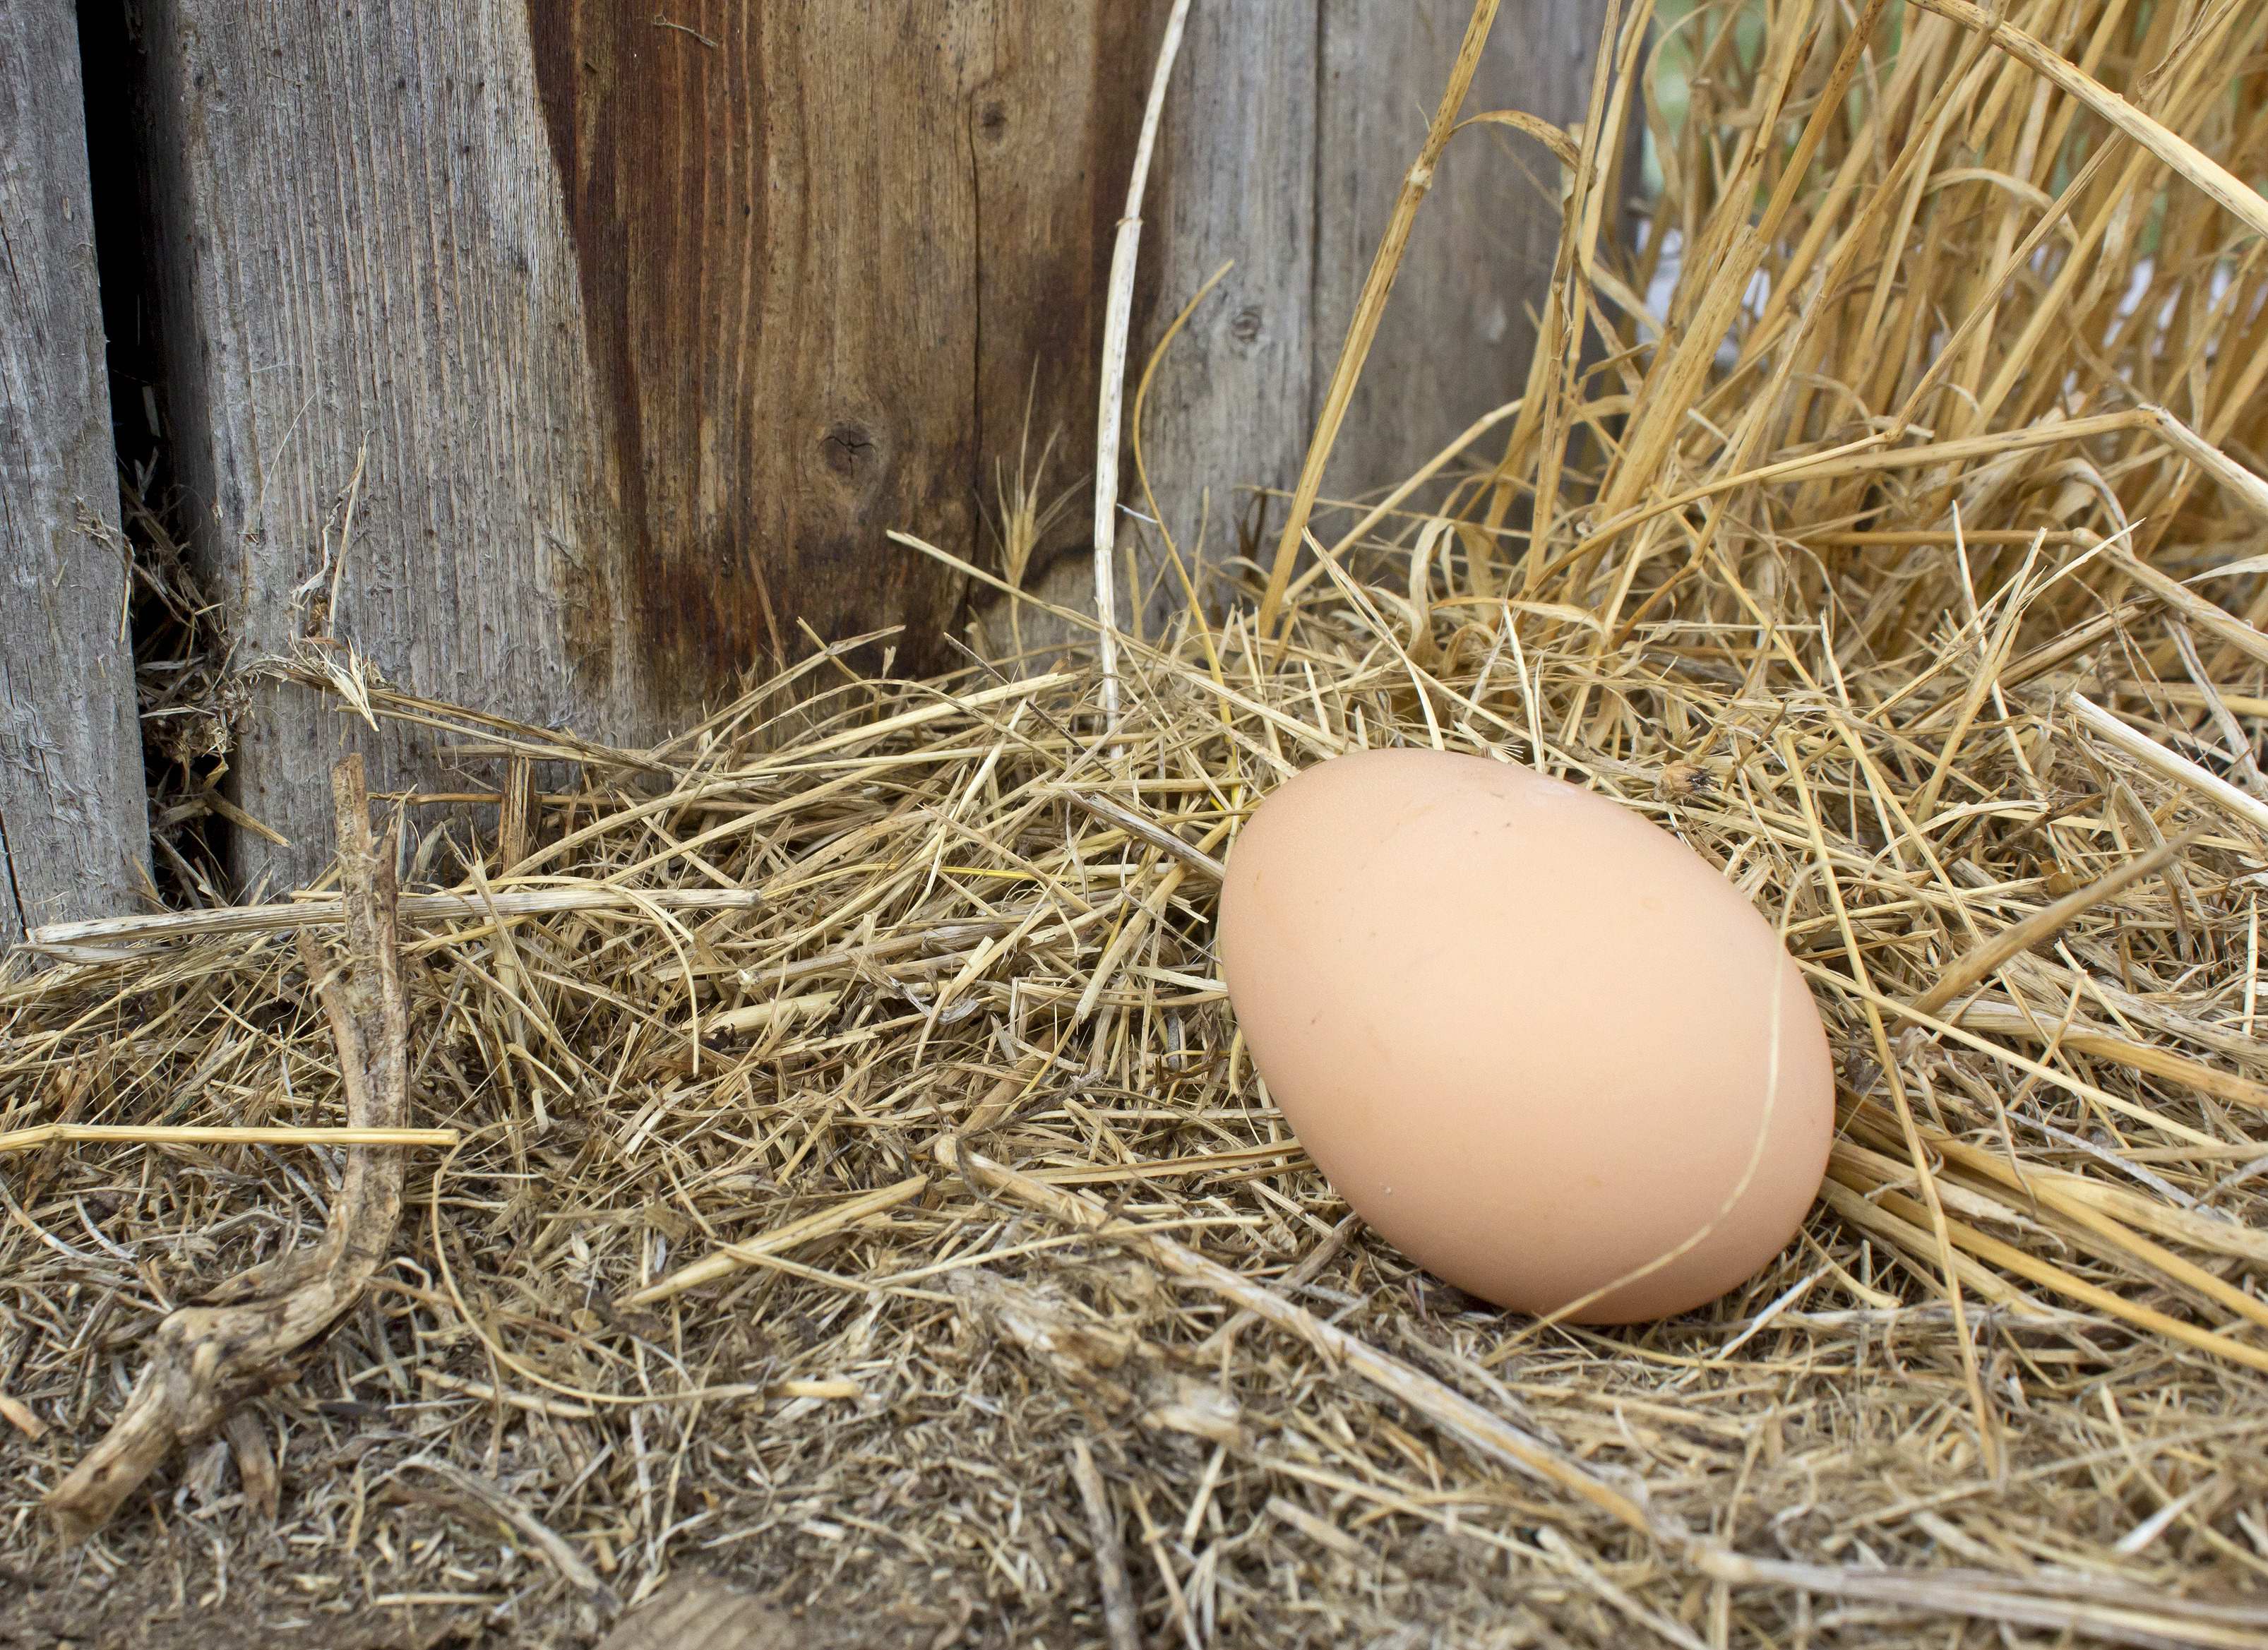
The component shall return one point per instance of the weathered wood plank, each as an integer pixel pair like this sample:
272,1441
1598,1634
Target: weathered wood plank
1230,408
639,329
74,832
1232,179
1457,336
1253,166
770,208
1054,120
377,376
637,333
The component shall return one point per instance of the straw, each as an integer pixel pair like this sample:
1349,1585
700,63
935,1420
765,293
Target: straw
1887,525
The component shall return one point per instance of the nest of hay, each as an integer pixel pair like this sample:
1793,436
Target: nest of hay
860,1195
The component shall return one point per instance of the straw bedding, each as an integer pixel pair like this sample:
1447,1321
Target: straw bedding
860,1195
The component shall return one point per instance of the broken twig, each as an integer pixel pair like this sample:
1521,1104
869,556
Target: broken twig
242,1340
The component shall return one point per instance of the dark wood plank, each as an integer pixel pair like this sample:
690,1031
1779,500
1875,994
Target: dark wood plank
772,215
74,831
1054,119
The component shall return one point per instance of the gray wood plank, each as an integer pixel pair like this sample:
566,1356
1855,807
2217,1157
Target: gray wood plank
628,337
1287,133
1234,178
376,379
74,831
1456,339
1230,408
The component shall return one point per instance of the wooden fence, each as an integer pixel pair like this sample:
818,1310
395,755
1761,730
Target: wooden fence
571,360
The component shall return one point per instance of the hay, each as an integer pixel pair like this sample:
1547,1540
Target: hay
896,1243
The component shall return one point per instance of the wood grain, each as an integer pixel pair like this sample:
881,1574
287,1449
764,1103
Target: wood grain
1457,336
1231,405
640,328
1233,179
74,834
368,298
1287,132
772,214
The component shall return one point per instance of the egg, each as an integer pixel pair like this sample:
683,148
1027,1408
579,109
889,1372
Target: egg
1540,1046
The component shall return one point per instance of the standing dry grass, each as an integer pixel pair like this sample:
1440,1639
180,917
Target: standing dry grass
860,1192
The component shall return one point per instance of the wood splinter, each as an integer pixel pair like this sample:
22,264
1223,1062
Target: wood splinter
243,1339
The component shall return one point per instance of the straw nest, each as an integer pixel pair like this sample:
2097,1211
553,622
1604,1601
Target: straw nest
860,1194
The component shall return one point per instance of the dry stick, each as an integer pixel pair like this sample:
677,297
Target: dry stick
21,1418
1005,1096
1779,469
778,1011
2071,1605
2166,763
414,908
2050,655
241,1341
1318,1259
1117,322
730,1257
190,1134
2189,693
255,1461
1960,450
1449,1409
1157,836
1118,1617
2248,489
1370,307
2188,604
490,1394
2047,921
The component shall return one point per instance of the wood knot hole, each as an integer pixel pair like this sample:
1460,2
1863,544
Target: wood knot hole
849,449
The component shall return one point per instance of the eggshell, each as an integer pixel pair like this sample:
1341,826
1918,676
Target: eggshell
1539,1043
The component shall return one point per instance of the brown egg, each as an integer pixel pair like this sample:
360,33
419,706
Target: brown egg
1541,1045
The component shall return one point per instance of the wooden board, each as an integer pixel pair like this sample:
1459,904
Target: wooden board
772,212
1288,131
376,378
628,332
74,833
1230,409
1456,340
